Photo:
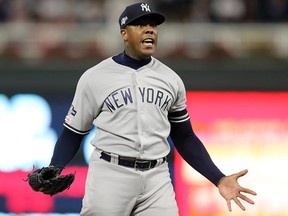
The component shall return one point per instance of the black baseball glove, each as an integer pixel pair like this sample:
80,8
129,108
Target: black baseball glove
48,180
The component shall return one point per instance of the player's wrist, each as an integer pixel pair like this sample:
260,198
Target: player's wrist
220,181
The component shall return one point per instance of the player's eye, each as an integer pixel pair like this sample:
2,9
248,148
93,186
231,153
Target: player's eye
144,23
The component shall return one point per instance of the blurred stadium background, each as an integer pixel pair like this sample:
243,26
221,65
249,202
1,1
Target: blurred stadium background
231,54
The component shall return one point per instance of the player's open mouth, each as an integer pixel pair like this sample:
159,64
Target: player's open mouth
148,41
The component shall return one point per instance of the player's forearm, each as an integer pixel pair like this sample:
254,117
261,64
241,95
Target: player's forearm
66,147
194,152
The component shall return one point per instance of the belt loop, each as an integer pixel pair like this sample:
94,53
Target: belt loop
160,161
114,158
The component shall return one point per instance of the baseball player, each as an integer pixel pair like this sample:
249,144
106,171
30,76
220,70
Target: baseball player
136,102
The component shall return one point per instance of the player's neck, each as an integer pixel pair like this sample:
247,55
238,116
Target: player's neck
138,59
128,61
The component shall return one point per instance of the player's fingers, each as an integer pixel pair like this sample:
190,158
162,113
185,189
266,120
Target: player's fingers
229,205
246,190
241,173
245,198
239,204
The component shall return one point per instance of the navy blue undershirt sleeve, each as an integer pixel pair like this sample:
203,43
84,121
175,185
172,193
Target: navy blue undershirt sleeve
66,147
193,151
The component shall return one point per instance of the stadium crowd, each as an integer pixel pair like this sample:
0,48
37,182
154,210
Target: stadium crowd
35,29
178,10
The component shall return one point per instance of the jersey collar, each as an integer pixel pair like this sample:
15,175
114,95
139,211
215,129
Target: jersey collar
126,60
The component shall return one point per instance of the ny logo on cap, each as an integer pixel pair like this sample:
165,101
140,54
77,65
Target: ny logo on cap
145,7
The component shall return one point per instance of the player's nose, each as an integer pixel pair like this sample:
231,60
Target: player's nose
150,29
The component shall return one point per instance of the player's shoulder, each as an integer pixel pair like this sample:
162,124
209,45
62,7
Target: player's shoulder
168,74
101,66
161,67
98,68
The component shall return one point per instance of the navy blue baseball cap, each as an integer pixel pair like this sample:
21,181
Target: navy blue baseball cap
138,10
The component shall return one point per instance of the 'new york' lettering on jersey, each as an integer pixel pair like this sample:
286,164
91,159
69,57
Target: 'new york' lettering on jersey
123,97
128,107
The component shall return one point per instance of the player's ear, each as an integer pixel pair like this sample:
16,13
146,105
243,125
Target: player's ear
124,35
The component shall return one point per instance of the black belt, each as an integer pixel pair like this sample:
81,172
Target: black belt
138,164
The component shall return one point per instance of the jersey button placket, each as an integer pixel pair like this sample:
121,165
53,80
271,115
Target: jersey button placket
139,110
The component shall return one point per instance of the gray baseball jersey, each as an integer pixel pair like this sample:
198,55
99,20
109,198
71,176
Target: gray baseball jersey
128,107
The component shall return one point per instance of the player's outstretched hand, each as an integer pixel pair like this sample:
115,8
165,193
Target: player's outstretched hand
230,189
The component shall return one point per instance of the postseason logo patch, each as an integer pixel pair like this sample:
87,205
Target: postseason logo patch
71,112
123,20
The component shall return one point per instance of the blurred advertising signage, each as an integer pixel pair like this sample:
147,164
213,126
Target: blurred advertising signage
241,130
27,139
